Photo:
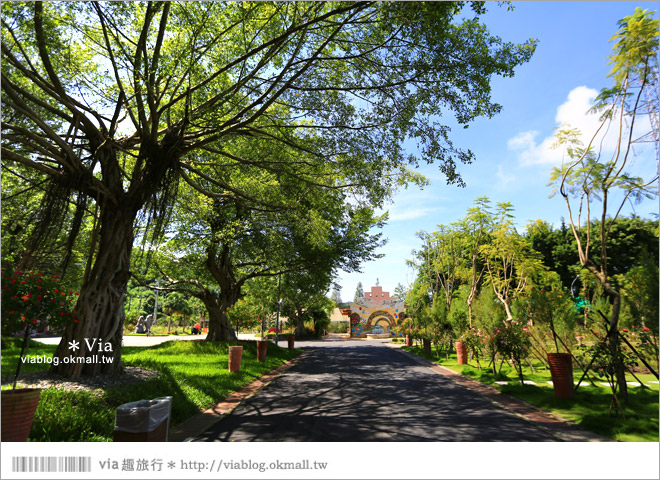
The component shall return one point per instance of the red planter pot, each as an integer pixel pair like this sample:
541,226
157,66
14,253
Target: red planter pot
18,407
262,350
235,357
291,340
561,369
461,353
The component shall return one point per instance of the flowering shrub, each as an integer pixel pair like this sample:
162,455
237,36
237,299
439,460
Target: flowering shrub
513,340
508,338
35,299
473,339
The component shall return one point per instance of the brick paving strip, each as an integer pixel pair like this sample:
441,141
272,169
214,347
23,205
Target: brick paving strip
560,428
197,424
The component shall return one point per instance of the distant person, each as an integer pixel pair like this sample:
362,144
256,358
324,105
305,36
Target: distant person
197,329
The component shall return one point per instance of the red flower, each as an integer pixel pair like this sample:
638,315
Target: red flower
646,329
625,330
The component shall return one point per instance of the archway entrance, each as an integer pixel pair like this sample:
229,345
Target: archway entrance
380,320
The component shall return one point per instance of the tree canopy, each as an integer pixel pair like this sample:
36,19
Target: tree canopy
117,103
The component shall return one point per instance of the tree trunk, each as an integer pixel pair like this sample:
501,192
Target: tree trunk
220,329
300,328
507,309
219,264
614,344
469,304
100,306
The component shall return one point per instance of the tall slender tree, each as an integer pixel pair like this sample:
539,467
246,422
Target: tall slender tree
510,261
590,174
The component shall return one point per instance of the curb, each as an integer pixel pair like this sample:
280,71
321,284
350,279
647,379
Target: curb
554,425
197,424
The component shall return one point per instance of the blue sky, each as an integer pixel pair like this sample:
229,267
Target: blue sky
512,159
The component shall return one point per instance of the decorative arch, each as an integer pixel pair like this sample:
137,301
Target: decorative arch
381,313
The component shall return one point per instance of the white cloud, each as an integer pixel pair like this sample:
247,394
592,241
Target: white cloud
504,177
572,112
522,141
414,203
408,213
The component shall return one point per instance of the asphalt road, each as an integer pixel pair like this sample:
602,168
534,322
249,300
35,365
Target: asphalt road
355,391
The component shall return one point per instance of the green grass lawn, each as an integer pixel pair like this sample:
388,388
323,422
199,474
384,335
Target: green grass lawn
589,408
194,373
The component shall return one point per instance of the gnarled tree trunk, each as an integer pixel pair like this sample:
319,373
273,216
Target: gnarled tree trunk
220,266
220,329
100,306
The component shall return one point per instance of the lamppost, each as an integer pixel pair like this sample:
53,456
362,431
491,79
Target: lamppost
156,302
573,283
279,304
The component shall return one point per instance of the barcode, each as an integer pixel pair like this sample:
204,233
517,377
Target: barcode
51,464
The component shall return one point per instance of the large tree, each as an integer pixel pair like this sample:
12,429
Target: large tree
117,101
219,245
591,174
303,294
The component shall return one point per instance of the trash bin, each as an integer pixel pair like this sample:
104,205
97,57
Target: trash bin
143,421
